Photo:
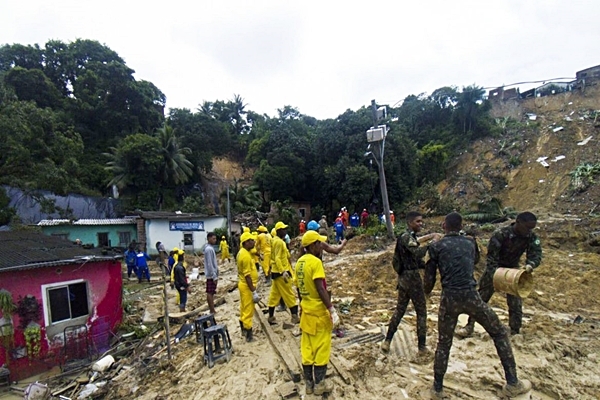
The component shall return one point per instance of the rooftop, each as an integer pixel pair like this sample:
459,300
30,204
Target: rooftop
23,250
108,221
173,215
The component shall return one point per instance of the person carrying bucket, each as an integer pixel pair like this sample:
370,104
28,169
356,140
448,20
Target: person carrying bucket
455,256
505,249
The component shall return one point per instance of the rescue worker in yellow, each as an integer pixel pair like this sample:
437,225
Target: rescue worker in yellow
319,317
224,249
281,275
247,281
263,247
176,253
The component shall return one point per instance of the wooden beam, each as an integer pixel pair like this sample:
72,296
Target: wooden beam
281,348
180,317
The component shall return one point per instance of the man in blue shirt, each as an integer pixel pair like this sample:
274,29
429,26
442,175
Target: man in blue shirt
142,265
130,261
354,220
339,230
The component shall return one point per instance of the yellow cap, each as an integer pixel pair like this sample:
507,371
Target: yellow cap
280,225
312,236
180,252
262,228
222,237
246,229
175,249
246,236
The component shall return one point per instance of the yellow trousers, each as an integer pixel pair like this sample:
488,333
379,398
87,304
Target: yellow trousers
315,343
266,263
246,305
281,289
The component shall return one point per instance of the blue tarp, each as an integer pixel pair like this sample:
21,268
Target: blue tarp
29,211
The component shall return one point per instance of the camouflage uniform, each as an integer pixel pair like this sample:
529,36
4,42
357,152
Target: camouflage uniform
455,256
408,257
505,250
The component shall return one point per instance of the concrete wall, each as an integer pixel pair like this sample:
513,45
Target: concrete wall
104,284
89,233
158,230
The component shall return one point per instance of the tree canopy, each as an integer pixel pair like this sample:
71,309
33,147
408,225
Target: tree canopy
74,119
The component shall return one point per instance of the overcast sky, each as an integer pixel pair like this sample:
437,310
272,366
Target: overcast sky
322,57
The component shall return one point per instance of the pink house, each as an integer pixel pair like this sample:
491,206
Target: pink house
68,302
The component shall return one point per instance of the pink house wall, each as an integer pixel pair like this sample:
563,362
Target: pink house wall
104,299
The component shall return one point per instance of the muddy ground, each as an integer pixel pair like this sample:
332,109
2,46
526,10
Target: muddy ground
557,350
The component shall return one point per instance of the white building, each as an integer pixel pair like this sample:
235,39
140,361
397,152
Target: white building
176,229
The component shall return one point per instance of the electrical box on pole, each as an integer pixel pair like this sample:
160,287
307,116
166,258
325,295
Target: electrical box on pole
377,134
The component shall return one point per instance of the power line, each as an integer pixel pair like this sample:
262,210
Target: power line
512,84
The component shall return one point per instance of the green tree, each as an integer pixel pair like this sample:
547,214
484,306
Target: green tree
135,164
175,168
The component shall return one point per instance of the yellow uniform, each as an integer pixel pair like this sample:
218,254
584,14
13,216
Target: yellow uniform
224,248
315,322
245,265
263,246
280,264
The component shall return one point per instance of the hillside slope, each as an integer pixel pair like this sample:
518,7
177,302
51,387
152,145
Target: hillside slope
506,167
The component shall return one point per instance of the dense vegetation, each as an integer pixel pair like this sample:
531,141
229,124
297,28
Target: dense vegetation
74,119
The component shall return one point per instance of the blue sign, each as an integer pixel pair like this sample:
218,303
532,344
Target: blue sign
186,225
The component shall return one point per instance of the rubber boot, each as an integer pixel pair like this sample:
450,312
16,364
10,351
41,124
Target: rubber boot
242,329
385,346
437,395
322,385
466,330
521,387
249,336
308,377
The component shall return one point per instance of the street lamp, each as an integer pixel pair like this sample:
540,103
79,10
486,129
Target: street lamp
376,137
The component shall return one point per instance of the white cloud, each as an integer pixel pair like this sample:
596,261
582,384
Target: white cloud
322,57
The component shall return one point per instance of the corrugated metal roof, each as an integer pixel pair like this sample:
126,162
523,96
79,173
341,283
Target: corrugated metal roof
23,250
174,215
109,221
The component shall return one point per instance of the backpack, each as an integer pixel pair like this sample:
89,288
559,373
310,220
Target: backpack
130,258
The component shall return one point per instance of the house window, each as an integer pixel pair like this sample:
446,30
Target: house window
124,239
61,235
67,301
188,239
103,239
302,212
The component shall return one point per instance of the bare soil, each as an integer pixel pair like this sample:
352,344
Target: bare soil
558,347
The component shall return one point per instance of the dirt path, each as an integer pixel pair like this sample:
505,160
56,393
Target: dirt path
557,350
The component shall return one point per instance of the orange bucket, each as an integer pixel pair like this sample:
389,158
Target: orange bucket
513,281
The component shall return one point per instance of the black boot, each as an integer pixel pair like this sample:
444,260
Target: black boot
308,377
249,335
242,329
322,386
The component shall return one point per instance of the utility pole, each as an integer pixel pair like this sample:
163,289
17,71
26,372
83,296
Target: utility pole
376,137
228,216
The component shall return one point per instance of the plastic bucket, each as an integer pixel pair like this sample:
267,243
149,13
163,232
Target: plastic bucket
513,281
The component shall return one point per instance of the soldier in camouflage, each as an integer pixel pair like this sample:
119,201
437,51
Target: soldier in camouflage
408,259
455,256
505,248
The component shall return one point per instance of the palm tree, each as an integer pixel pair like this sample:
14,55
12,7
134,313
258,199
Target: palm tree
117,166
242,198
176,168
491,210
236,113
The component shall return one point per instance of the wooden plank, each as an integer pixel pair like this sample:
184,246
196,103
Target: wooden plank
338,365
281,348
180,317
287,390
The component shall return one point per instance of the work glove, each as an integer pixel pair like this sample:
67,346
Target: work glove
286,275
335,319
255,297
527,268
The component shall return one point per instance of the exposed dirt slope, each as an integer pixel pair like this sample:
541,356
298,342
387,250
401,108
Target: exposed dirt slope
505,167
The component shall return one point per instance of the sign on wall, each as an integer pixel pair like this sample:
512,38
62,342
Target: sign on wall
186,225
